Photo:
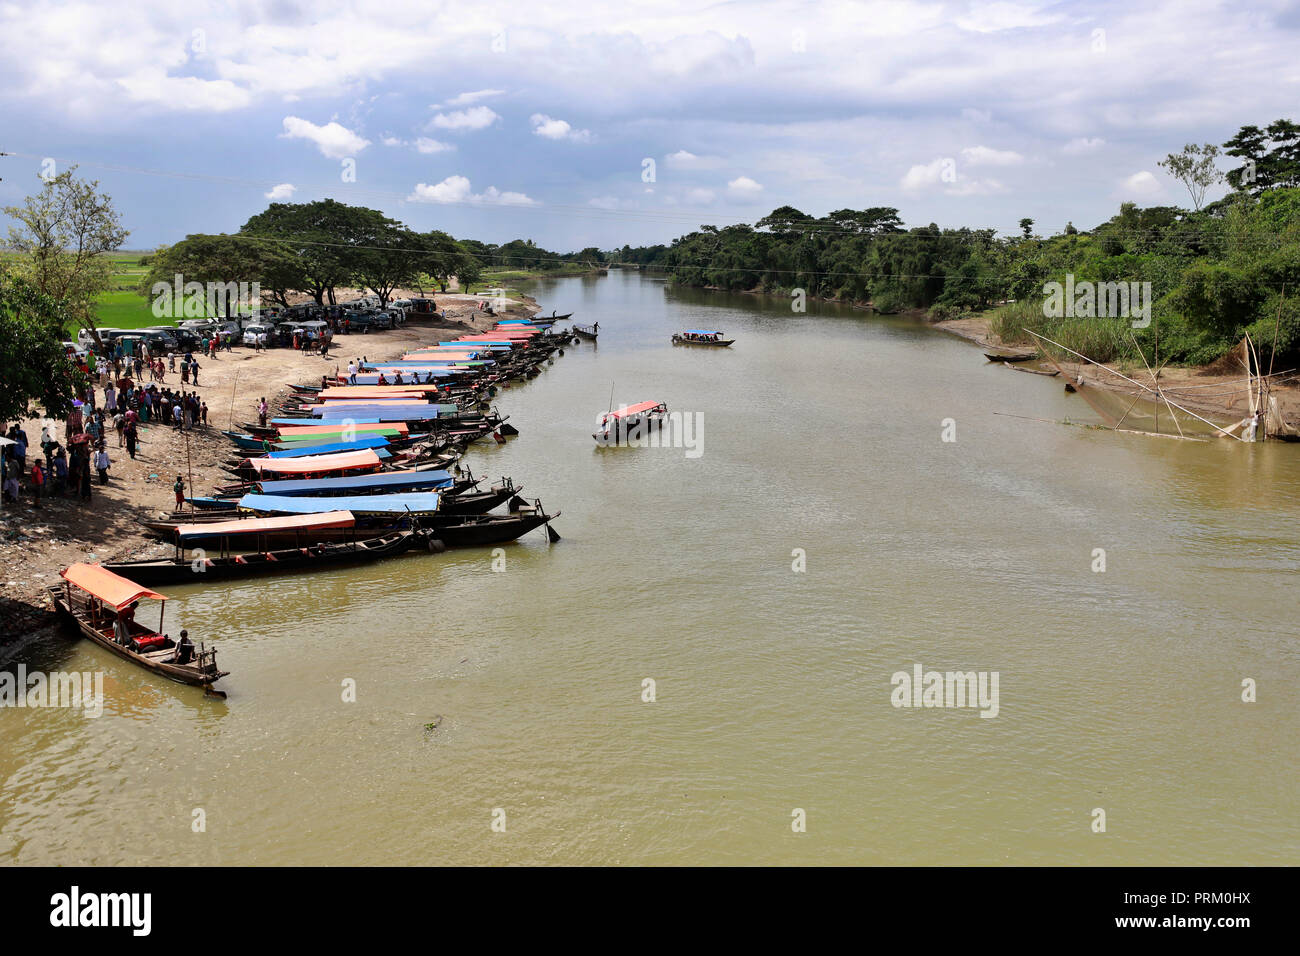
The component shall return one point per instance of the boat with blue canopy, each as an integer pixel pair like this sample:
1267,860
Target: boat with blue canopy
387,481
424,503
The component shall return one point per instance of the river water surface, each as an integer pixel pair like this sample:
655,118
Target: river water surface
822,434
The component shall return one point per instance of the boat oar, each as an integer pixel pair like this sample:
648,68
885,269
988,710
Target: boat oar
551,534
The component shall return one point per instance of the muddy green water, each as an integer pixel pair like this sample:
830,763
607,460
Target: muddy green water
823,432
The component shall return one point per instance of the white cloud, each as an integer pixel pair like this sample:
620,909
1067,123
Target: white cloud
940,175
451,189
999,15
1082,145
604,202
492,194
549,128
153,86
428,146
393,141
700,197
919,178
465,99
282,191
457,189
987,156
334,141
744,186
687,160
477,117
1141,185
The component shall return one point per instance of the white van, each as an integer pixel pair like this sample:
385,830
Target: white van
86,338
251,332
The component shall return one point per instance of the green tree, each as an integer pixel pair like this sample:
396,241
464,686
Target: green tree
36,367
322,236
1194,168
1270,157
62,235
220,260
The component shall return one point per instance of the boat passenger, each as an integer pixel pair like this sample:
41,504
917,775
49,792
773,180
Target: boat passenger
122,626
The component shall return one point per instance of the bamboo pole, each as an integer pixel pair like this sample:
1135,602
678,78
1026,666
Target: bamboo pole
1125,378
1155,380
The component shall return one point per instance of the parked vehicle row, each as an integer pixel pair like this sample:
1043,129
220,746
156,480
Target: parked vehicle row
303,324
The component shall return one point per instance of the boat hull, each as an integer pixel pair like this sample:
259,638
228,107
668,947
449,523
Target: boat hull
172,571
721,343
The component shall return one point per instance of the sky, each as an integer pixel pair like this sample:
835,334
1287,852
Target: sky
578,124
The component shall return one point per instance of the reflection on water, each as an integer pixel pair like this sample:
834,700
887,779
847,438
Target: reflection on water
822,434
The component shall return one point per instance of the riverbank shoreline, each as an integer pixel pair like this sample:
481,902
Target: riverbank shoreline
1219,397
36,543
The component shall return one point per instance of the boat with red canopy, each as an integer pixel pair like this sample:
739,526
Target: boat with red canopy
619,425
102,604
346,462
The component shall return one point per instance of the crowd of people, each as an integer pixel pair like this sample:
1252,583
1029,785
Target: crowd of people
117,400
61,469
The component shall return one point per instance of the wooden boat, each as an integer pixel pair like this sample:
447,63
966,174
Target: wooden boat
586,331
182,570
621,426
1050,373
1008,355
94,598
701,337
481,530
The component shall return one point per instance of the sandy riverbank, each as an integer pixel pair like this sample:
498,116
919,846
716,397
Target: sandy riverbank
1219,397
37,543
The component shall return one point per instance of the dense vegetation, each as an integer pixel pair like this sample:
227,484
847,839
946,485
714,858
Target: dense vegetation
1216,271
37,373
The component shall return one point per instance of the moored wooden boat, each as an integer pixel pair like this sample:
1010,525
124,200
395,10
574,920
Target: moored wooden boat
586,331
101,603
1010,355
1051,373
478,531
182,570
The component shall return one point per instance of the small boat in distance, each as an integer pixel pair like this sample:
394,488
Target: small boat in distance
1010,355
627,425
700,337
586,331
103,608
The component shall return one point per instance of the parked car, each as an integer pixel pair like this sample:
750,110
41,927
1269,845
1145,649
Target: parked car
187,340
165,336
382,320
86,339
251,332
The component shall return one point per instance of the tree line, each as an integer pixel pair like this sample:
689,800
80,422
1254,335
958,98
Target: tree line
1217,270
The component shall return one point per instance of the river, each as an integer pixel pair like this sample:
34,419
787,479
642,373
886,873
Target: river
821,445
